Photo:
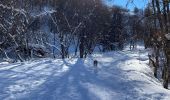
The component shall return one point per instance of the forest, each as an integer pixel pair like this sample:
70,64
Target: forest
50,28
66,29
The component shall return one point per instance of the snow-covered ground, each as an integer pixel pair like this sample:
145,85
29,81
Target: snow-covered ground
121,75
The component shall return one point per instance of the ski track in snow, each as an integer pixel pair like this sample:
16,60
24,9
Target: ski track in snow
121,75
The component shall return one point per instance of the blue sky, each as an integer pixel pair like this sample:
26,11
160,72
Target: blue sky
136,3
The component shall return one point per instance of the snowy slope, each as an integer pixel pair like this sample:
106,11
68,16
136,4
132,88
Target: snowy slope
122,75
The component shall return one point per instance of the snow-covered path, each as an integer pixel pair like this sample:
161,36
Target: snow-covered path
122,75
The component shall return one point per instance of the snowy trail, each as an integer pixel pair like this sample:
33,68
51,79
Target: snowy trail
119,76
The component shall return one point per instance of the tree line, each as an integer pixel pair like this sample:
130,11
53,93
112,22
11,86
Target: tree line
157,21
38,28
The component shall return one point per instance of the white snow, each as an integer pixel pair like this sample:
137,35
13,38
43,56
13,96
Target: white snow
168,36
44,12
121,75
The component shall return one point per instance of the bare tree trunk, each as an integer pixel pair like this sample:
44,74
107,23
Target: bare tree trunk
166,72
153,4
81,46
54,44
159,14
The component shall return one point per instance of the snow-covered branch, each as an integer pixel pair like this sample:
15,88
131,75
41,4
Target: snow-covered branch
22,11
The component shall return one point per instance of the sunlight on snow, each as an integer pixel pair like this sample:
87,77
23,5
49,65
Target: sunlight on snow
102,93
